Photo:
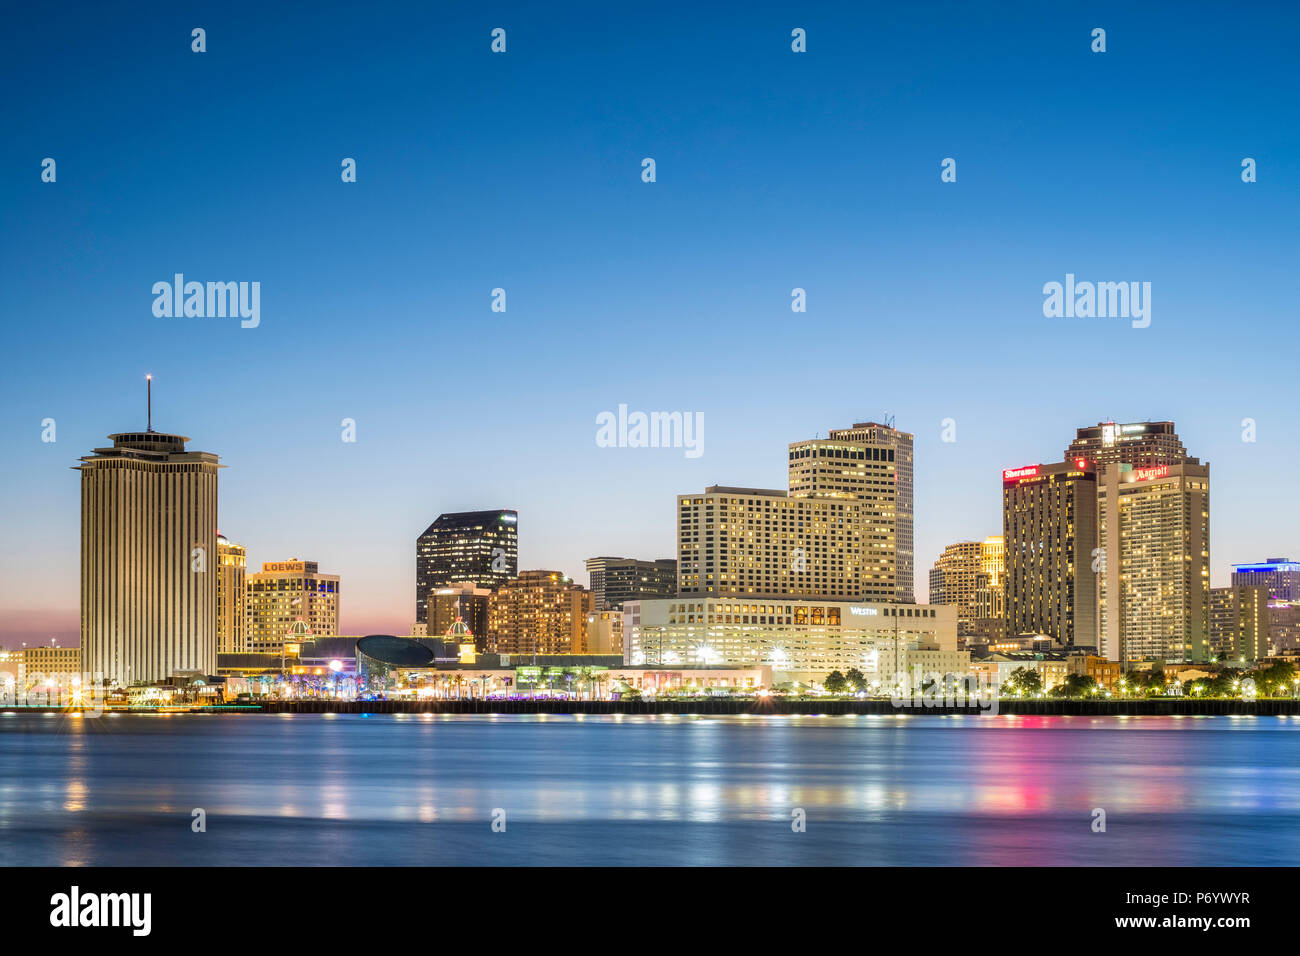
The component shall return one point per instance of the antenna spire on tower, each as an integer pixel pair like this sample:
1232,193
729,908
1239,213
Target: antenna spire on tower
148,385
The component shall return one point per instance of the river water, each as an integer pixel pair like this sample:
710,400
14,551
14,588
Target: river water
656,790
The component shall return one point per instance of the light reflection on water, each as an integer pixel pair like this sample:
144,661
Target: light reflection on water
420,790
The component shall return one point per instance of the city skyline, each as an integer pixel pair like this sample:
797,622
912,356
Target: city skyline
775,171
1220,570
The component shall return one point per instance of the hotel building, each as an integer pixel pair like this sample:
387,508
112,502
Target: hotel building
285,592
477,546
148,559
1153,526
615,580
871,464
1140,444
1239,623
232,608
1049,528
755,542
802,640
539,612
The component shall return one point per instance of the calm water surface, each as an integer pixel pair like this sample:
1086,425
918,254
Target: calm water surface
421,790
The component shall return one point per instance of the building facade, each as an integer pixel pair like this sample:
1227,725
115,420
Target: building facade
464,600
615,580
871,464
802,640
477,546
148,559
1049,530
232,604
286,592
1153,527
1239,623
1140,444
749,541
968,577
538,612
1280,575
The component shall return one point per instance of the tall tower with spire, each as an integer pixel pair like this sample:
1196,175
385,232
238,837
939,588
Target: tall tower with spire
148,557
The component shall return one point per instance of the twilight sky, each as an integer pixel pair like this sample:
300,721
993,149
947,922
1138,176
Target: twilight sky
522,171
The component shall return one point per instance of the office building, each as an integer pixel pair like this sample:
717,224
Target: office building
148,559
802,640
1153,529
50,667
1049,529
755,542
871,464
1239,623
232,607
1141,444
464,600
604,632
285,593
968,577
1280,575
477,546
538,612
615,580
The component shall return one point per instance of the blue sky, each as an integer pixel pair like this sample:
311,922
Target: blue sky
522,170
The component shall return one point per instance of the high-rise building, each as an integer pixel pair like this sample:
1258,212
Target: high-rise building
751,541
465,601
538,612
1049,527
1140,444
1238,623
477,546
952,580
1280,575
1153,529
148,559
968,576
232,608
285,592
615,580
872,464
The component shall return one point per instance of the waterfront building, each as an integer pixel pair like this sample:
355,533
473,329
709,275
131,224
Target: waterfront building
605,632
1140,444
1153,529
1239,623
615,580
1105,672
48,666
11,673
148,559
464,600
997,669
1049,527
538,612
284,593
232,594
801,640
477,546
872,465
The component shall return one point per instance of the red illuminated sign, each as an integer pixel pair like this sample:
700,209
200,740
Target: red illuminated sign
1146,474
1011,474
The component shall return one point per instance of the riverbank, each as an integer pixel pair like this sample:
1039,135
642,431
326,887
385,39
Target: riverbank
1160,707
